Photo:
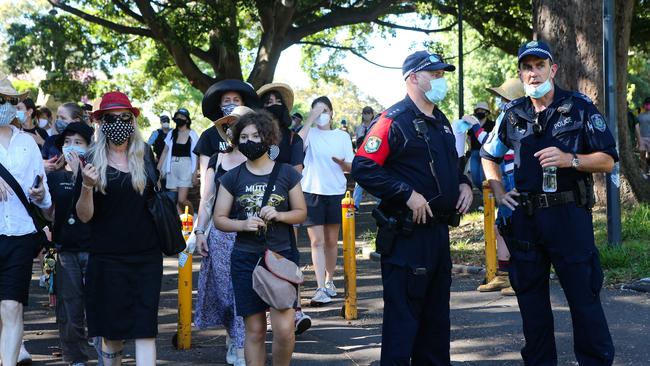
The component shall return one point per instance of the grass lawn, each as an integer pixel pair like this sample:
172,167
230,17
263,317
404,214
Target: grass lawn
621,264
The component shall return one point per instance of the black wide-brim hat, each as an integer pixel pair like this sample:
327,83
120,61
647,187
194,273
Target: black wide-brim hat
211,103
74,127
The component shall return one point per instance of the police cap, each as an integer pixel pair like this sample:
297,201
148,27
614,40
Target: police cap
535,48
423,60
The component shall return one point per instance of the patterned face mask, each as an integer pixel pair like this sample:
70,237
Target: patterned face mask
119,131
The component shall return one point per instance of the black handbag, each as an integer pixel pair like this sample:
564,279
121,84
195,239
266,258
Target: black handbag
165,216
40,222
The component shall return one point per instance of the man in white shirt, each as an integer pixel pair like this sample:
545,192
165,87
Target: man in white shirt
20,155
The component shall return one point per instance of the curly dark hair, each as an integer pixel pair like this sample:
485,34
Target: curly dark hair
263,121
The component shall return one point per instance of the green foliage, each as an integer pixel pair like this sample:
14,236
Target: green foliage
346,98
22,85
484,66
638,84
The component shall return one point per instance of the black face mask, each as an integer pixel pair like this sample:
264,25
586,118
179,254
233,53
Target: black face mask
180,122
480,115
253,150
281,114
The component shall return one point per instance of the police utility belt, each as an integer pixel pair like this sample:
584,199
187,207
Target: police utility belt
530,202
400,223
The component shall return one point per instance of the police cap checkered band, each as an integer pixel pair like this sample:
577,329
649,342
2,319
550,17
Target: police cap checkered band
423,60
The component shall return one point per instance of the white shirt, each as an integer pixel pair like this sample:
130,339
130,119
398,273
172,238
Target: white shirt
168,158
23,160
322,175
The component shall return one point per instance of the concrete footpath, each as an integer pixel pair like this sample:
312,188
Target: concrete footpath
485,326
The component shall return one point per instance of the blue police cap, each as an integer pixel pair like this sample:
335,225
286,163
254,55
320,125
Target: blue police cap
535,48
423,60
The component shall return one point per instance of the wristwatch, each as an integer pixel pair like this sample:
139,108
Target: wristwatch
198,231
575,162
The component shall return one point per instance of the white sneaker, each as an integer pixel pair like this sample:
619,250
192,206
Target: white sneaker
320,297
240,362
231,355
330,288
303,322
24,357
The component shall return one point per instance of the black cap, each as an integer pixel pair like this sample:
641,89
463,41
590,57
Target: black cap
74,127
646,100
164,119
423,60
297,115
211,103
535,48
183,111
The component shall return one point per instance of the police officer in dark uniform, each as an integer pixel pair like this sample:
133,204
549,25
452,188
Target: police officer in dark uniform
408,159
559,139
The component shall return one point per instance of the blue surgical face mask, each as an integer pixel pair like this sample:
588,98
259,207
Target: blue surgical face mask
438,90
540,91
81,151
500,103
228,108
7,114
22,117
60,125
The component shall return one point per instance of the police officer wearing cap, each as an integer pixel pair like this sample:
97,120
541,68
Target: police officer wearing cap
408,159
559,139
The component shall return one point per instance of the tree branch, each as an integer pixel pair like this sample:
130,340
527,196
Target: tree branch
126,9
415,29
348,49
100,21
341,17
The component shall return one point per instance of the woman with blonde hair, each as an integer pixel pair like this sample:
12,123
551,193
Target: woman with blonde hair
125,263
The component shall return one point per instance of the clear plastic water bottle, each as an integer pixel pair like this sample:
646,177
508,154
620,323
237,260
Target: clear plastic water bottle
549,182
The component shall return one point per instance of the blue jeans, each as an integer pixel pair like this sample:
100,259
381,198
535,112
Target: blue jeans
476,169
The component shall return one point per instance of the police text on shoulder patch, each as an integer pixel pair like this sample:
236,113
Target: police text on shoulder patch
598,122
372,145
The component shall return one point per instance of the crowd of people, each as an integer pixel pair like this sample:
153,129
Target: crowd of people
82,179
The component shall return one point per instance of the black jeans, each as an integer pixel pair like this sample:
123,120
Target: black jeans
70,316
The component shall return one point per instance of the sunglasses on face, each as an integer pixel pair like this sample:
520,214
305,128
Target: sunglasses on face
12,101
112,118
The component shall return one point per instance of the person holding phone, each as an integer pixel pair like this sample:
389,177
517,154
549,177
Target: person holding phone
22,167
71,238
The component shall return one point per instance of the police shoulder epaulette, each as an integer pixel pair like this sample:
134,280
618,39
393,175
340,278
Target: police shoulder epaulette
513,103
394,111
581,96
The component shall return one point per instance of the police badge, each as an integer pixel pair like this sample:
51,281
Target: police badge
372,145
598,122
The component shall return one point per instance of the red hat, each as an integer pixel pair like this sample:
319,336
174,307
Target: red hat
115,100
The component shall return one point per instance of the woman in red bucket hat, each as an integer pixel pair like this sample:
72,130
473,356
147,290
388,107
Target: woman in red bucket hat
125,263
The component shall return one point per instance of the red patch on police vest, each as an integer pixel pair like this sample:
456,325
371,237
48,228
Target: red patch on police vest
375,146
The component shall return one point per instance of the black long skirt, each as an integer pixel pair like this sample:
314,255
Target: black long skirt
122,295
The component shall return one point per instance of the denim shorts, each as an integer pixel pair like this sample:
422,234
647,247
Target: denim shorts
241,269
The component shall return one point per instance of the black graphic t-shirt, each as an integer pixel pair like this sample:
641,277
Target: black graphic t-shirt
248,191
210,142
68,235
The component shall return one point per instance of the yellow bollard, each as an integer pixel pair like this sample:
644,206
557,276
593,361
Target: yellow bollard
490,234
184,331
349,258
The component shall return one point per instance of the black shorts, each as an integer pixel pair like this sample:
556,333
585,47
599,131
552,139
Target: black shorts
16,260
323,209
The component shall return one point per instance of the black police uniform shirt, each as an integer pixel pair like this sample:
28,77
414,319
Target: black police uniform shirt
393,159
572,123
65,192
210,142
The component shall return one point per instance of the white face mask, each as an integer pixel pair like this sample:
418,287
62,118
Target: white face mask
42,123
323,119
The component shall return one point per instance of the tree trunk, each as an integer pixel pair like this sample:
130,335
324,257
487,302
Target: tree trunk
575,34
629,162
275,19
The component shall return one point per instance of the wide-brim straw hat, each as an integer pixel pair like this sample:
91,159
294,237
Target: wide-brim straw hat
285,91
482,105
511,89
223,123
7,89
211,104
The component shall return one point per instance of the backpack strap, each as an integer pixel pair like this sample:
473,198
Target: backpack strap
15,186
